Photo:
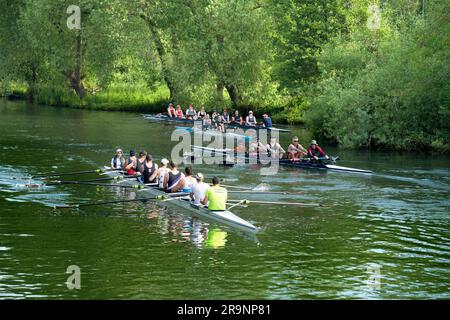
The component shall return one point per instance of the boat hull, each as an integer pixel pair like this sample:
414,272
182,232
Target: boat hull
225,217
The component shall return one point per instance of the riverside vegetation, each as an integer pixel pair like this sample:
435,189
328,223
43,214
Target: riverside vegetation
358,73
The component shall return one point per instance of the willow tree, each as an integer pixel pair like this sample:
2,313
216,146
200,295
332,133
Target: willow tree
72,53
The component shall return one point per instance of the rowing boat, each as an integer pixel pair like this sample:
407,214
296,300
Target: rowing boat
165,118
303,163
225,217
210,132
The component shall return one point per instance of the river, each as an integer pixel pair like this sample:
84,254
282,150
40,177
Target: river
378,236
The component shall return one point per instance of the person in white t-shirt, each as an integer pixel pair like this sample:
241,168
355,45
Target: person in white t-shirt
199,189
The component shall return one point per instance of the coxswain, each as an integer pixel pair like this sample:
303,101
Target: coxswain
118,162
267,121
275,149
173,180
199,189
191,113
150,170
130,164
315,153
171,111
296,150
236,119
216,196
250,120
179,112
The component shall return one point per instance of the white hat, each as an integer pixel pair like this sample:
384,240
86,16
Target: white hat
164,161
199,176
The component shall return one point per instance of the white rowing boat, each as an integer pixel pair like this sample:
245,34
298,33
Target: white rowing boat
225,217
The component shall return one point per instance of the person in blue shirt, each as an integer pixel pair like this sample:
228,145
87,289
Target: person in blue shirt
267,121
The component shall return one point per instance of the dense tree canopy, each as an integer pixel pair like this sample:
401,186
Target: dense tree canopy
358,73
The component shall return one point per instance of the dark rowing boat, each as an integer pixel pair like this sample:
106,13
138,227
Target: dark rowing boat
164,118
229,159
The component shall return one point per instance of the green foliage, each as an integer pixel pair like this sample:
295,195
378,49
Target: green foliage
395,96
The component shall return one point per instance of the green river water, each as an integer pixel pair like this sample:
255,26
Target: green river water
378,236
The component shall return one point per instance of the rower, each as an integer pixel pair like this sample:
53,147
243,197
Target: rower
226,116
236,119
250,120
256,149
216,196
130,164
140,165
173,180
202,113
162,171
118,162
207,123
267,121
315,153
171,111
199,189
179,112
189,180
220,123
191,113
150,170
275,149
296,150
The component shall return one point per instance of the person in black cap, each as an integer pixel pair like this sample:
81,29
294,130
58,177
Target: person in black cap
150,170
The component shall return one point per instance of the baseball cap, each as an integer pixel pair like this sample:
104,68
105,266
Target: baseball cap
164,161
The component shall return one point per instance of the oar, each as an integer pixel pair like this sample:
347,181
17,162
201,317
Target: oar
236,204
160,197
300,204
262,192
48,175
59,182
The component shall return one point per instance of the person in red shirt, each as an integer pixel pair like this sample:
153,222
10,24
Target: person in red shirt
179,112
315,153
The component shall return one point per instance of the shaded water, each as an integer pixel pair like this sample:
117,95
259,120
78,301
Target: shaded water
392,225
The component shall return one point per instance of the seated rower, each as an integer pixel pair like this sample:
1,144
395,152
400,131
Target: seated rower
256,149
275,149
220,123
296,150
174,179
130,163
199,189
150,170
250,120
162,171
189,180
118,162
179,112
236,119
207,123
140,165
315,153
191,113
226,116
202,113
171,111
216,197
267,121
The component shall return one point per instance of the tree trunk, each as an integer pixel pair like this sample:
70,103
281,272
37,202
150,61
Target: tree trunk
234,94
75,77
220,91
162,56
32,81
